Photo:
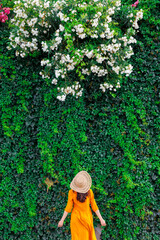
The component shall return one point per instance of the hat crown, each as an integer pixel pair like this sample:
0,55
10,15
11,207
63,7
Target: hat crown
80,181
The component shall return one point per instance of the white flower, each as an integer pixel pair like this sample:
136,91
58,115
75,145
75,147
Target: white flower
17,53
17,40
57,73
102,87
110,35
61,98
94,69
100,59
62,76
118,3
41,15
116,69
82,36
79,94
85,71
102,72
110,48
22,55
132,40
110,63
44,47
95,22
57,33
76,87
44,62
89,54
135,24
73,92
34,31
79,28
22,45
22,24
118,85
130,15
109,19
68,90
110,11
61,28
61,15
140,14
74,11
58,40
26,5
94,36
46,4
102,35
127,70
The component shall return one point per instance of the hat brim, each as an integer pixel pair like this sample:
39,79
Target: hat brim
87,185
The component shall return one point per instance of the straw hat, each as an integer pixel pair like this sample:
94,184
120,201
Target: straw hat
81,182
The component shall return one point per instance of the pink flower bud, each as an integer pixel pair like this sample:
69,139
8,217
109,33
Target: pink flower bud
135,4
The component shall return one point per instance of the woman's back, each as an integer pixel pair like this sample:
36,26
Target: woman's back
81,206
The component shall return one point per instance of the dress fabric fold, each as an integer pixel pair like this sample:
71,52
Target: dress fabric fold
81,224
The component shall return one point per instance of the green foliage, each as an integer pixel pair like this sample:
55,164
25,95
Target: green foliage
7,3
44,143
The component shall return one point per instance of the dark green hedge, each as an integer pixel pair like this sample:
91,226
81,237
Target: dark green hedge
116,139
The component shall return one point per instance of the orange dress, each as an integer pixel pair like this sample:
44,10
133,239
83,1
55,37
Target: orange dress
81,224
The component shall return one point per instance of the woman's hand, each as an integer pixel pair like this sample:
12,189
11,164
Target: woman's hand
103,223
60,224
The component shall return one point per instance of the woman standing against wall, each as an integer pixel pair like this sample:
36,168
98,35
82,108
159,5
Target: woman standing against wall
80,196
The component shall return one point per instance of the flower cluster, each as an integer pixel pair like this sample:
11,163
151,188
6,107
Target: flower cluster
29,28
3,13
86,42
137,17
75,90
105,86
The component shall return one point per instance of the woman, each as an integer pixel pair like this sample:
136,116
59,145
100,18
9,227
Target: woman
80,196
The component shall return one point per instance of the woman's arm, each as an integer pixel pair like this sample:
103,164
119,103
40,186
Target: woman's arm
95,209
60,224
67,209
103,223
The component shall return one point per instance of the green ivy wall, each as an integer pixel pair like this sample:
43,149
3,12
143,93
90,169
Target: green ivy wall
45,142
